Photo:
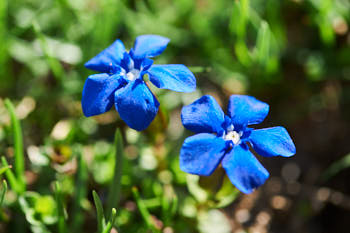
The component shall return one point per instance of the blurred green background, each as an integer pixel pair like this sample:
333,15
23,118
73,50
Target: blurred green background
292,54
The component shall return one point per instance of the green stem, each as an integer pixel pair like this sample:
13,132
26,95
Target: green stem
3,192
115,187
11,177
60,209
143,210
80,194
101,222
111,222
18,145
160,112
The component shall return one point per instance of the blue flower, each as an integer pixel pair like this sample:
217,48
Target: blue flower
121,81
224,139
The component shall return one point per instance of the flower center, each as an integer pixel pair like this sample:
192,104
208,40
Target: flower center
233,136
133,74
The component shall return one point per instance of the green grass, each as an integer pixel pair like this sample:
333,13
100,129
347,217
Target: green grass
292,54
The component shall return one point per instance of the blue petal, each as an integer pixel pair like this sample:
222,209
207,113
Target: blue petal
201,154
203,116
136,105
149,46
246,110
244,170
146,64
173,77
127,62
272,142
108,58
98,93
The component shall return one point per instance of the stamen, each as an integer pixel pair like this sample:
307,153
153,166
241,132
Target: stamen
230,128
133,74
233,136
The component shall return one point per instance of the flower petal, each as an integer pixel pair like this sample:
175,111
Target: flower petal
136,105
246,110
173,77
98,93
272,142
109,57
244,170
203,116
146,64
127,63
149,46
201,153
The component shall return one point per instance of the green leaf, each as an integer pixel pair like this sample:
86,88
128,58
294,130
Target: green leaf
169,208
199,69
227,194
101,222
80,193
111,222
242,52
18,141
239,18
3,192
336,167
39,210
143,210
263,43
174,206
4,169
4,69
11,177
61,212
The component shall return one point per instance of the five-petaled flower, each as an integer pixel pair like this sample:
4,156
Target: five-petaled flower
121,81
224,138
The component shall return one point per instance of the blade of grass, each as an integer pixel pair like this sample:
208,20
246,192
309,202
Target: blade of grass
4,169
111,222
106,24
169,207
80,193
19,225
336,167
101,222
165,208
174,206
54,64
3,191
62,228
115,187
18,144
199,69
153,202
263,43
4,41
143,210
239,18
238,24
242,52
11,177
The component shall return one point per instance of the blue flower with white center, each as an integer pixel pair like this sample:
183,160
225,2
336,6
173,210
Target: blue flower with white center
224,139
121,82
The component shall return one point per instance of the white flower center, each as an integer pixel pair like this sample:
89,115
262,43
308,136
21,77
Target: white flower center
133,74
233,136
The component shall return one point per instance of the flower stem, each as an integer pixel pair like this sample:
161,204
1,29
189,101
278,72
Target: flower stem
115,187
160,112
